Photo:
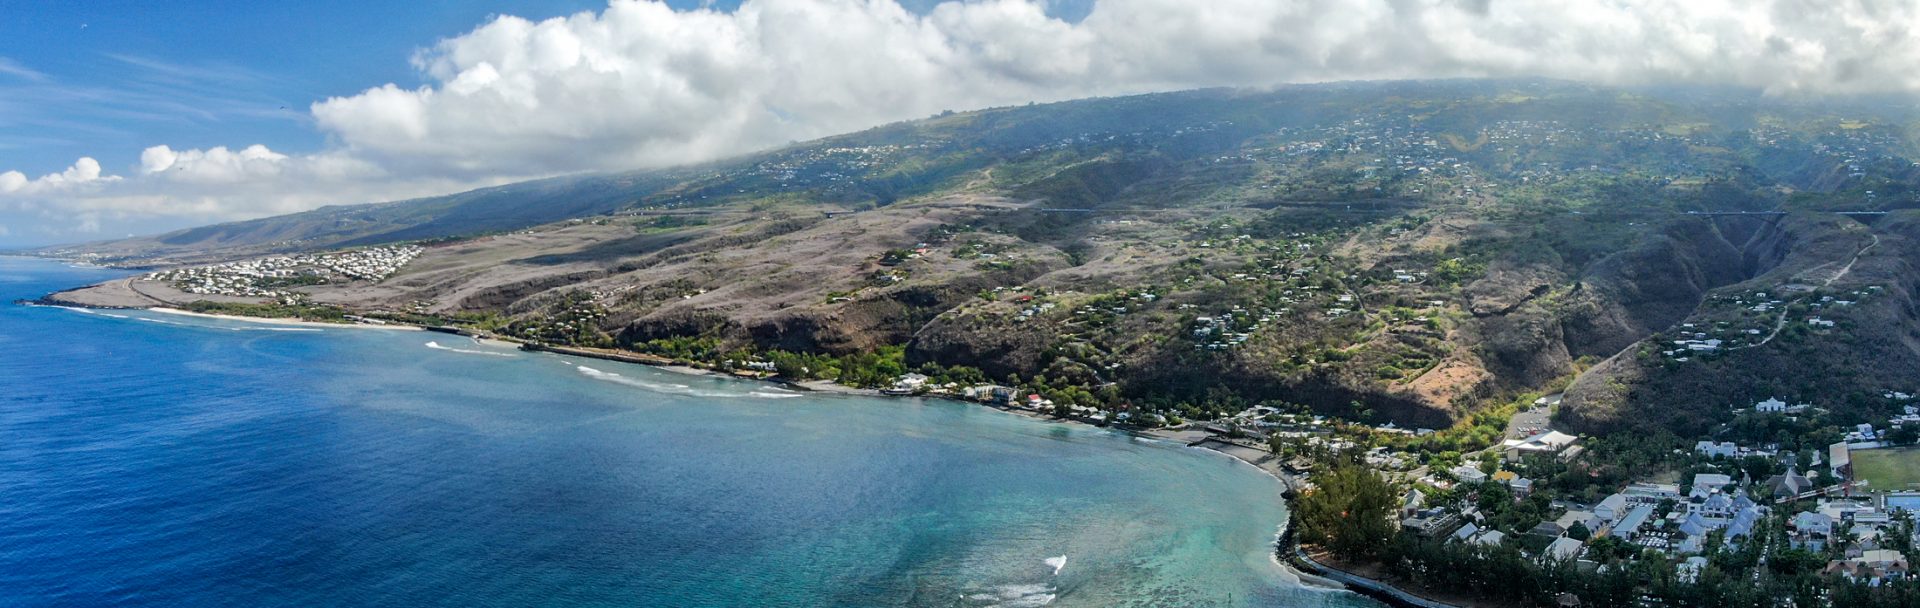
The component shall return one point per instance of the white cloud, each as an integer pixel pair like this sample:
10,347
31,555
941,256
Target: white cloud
204,186
216,165
84,174
640,85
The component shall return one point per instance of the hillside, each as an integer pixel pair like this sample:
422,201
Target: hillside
1407,251
1829,319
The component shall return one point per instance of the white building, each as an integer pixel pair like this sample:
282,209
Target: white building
1713,449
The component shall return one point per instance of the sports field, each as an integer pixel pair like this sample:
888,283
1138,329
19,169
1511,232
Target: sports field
1888,469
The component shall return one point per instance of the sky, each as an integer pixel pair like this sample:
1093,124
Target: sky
136,117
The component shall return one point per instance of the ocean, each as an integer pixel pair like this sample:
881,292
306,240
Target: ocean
149,459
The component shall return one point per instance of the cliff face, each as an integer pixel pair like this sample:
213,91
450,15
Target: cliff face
1812,270
1627,296
1535,314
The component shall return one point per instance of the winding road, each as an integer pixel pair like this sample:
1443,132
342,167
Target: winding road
1781,322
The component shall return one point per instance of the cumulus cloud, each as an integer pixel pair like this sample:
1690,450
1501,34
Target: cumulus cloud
203,186
84,174
640,85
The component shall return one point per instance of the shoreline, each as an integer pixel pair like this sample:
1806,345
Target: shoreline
1382,591
277,321
1303,577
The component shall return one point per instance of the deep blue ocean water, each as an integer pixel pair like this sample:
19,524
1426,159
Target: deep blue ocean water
158,460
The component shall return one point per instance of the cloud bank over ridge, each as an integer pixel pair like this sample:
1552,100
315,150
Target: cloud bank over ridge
642,85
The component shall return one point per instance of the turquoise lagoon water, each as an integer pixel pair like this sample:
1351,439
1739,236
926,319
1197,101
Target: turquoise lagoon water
156,460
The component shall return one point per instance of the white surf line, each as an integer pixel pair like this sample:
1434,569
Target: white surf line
436,346
668,388
89,311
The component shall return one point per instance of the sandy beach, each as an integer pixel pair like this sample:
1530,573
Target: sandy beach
292,322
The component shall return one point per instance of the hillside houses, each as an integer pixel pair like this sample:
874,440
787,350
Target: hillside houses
271,277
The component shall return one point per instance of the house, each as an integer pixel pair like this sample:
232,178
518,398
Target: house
1469,474
1584,518
1789,485
1414,502
907,384
1430,523
1489,538
1875,567
1812,531
1743,521
1693,525
1689,570
1651,493
1717,449
1707,483
1545,442
1466,532
1563,548
1845,509
1611,508
1714,505
1631,524
1548,529
1691,545
1770,405
1521,486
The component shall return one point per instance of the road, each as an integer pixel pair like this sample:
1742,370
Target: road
1780,323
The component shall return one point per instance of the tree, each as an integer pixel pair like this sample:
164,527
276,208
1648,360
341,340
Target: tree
1349,510
1902,435
1578,531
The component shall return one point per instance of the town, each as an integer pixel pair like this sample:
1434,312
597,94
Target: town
274,276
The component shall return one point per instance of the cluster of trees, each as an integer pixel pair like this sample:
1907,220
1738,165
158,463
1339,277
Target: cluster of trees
664,223
1499,572
572,319
1349,511
873,369
307,312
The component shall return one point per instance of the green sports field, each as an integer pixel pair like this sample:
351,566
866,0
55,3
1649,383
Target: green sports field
1888,469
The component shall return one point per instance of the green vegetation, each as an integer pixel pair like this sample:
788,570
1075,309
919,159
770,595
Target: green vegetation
304,312
668,223
1348,511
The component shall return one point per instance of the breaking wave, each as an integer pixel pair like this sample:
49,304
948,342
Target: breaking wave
437,346
90,311
1013,596
658,387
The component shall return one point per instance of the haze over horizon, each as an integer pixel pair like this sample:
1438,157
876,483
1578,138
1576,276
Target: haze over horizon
139,121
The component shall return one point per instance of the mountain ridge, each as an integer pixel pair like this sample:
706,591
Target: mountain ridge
1405,251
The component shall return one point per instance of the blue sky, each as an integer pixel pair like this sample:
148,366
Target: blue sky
128,117
228,71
